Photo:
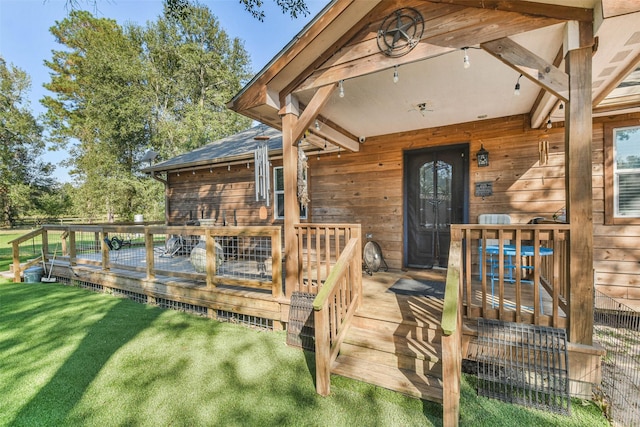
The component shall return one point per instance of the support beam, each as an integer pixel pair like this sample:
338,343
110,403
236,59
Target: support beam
369,64
579,196
529,8
530,65
291,205
337,138
312,110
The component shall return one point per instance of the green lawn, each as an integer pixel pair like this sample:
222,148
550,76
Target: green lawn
72,357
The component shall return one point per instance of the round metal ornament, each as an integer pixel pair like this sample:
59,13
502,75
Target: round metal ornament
400,32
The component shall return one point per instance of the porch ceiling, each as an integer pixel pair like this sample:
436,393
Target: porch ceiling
433,87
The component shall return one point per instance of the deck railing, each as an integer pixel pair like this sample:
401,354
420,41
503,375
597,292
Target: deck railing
319,247
516,272
238,256
334,306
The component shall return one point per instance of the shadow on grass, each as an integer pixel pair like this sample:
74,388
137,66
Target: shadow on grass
110,330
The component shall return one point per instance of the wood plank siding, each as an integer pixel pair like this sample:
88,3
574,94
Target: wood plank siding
367,188
219,194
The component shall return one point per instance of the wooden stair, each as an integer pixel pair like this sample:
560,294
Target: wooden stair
400,354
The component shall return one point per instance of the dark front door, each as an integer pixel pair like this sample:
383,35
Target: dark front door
435,197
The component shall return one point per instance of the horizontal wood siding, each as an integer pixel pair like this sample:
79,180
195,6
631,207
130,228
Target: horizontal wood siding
616,253
218,194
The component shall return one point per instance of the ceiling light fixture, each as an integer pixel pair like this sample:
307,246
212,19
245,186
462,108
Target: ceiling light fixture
193,172
549,125
229,167
465,60
395,75
516,90
317,125
338,152
341,89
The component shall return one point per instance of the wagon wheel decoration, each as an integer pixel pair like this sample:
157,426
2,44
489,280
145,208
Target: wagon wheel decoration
400,32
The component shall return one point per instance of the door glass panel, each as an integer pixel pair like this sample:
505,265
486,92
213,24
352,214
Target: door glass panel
427,195
435,194
443,197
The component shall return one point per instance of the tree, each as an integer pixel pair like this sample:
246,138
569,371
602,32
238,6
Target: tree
25,180
254,7
193,69
122,91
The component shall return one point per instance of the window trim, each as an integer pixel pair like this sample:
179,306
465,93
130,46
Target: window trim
609,177
275,196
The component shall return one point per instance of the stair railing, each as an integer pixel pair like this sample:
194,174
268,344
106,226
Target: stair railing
334,307
452,332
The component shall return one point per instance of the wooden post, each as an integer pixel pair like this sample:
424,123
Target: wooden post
16,262
148,245
451,342
72,248
276,263
105,250
45,245
291,205
323,351
211,257
578,182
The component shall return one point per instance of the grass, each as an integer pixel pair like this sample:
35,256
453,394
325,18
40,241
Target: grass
72,357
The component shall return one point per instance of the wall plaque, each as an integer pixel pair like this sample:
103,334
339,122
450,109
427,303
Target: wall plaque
484,189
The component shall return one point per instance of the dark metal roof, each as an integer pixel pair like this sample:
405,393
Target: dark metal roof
232,148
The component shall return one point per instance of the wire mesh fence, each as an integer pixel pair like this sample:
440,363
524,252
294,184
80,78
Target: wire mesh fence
617,329
244,257
31,248
524,364
234,256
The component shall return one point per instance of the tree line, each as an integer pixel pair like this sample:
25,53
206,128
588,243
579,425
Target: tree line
117,92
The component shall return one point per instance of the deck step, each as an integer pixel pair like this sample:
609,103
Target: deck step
402,329
401,380
422,312
423,349
406,352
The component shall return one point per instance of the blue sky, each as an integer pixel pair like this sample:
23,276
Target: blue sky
25,40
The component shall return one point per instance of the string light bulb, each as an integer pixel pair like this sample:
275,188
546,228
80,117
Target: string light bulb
395,75
229,167
338,152
317,125
516,90
341,89
549,125
465,60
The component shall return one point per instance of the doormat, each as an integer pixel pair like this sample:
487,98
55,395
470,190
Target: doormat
415,287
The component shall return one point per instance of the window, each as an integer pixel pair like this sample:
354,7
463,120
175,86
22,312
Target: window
278,195
622,145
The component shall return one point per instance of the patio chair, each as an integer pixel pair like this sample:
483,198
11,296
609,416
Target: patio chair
491,219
